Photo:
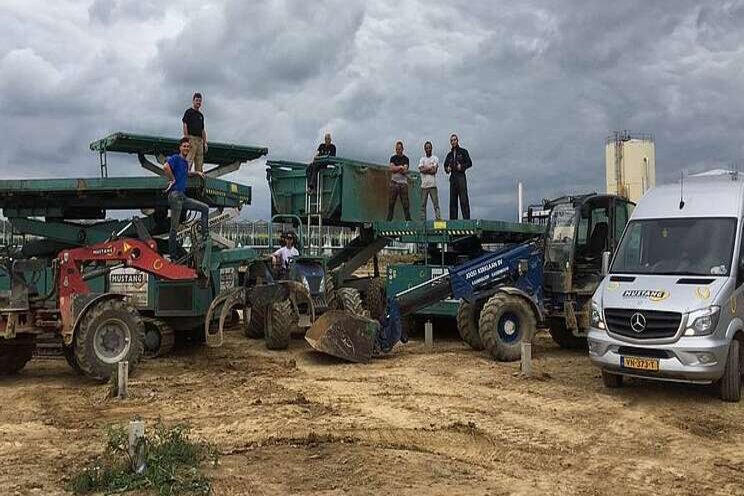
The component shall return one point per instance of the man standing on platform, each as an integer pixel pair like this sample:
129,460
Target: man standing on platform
194,129
456,163
325,149
428,166
398,182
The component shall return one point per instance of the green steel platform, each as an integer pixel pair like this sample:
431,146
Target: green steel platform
89,198
447,231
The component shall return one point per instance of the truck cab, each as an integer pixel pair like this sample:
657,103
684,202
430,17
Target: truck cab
580,229
671,307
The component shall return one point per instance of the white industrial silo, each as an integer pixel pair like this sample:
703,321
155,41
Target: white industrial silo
630,160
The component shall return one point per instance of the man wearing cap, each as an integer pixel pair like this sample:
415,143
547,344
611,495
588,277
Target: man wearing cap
286,253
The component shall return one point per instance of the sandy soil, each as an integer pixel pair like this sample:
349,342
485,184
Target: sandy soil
448,421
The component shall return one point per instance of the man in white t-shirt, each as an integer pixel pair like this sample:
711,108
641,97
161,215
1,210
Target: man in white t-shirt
283,255
428,166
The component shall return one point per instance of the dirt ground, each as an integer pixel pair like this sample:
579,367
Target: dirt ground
448,421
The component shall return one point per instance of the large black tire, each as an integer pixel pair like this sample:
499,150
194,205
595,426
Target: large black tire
563,336
160,338
111,331
349,300
612,381
283,320
254,329
69,354
730,384
375,301
504,322
468,315
330,293
15,353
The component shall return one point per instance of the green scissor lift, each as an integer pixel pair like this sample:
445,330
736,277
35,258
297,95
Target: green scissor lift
55,214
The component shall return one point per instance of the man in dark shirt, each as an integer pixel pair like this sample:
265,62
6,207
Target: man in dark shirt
456,163
398,182
177,170
325,149
193,128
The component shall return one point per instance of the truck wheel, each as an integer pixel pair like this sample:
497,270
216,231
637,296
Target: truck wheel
15,353
350,301
505,320
111,331
254,328
69,353
283,320
563,336
611,380
731,381
468,315
374,300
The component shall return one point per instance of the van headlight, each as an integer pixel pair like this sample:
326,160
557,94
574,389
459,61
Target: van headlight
597,321
703,322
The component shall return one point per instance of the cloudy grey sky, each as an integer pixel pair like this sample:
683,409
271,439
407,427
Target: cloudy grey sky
532,87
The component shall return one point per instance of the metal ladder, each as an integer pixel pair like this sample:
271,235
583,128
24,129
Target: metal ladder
314,212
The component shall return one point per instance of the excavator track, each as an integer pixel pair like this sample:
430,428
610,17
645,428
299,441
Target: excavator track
159,337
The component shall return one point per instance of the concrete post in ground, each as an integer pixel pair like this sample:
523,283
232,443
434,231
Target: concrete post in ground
429,334
123,380
137,445
527,358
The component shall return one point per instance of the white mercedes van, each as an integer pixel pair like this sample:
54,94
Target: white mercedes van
671,307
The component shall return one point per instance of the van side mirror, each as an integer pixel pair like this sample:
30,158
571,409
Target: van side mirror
605,263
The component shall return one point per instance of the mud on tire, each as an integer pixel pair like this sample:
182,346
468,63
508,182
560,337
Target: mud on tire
254,328
111,331
375,301
468,315
15,353
349,300
283,320
730,384
504,322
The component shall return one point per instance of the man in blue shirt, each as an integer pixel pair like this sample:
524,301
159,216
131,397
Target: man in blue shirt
177,170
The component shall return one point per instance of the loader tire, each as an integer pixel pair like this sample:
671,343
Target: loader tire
374,300
111,331
69,353
468,315
330,293
504,322
283,320
254,328
563,336
15,353
160,338
350,301
730,384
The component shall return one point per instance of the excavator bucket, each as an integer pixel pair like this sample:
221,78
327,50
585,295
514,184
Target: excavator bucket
344,335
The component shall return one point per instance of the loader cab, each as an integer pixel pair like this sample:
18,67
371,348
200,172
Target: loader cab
580,229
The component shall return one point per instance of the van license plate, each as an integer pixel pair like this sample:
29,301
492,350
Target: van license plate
650,364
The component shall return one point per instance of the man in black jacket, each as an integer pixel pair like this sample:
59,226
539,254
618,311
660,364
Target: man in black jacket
456,163
325,149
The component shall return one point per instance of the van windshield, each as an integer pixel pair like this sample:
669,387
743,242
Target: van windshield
694,246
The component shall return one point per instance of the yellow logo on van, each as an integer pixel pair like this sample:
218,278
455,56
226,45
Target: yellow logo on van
649,294
612,286
702,293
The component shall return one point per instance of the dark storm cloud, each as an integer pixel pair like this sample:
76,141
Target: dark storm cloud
533,88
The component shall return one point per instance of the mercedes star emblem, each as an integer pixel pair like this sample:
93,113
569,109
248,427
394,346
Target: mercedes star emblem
638,322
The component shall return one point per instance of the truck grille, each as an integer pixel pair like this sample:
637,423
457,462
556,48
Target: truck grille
658,325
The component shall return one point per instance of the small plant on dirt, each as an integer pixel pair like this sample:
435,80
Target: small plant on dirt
172,465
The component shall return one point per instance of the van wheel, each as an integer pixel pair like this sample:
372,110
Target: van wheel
731,381
612,381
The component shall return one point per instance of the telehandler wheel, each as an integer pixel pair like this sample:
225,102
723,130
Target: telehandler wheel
111,331
69,353
374,300
15,353
468,315
730,384
254,328
504,322
283,320
350,301
612,381
563,336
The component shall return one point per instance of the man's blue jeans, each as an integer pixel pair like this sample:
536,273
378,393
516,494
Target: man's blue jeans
179,201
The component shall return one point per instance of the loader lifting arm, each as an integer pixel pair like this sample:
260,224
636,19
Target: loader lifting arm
519,266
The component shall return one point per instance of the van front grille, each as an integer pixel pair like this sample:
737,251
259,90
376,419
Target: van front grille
642,324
